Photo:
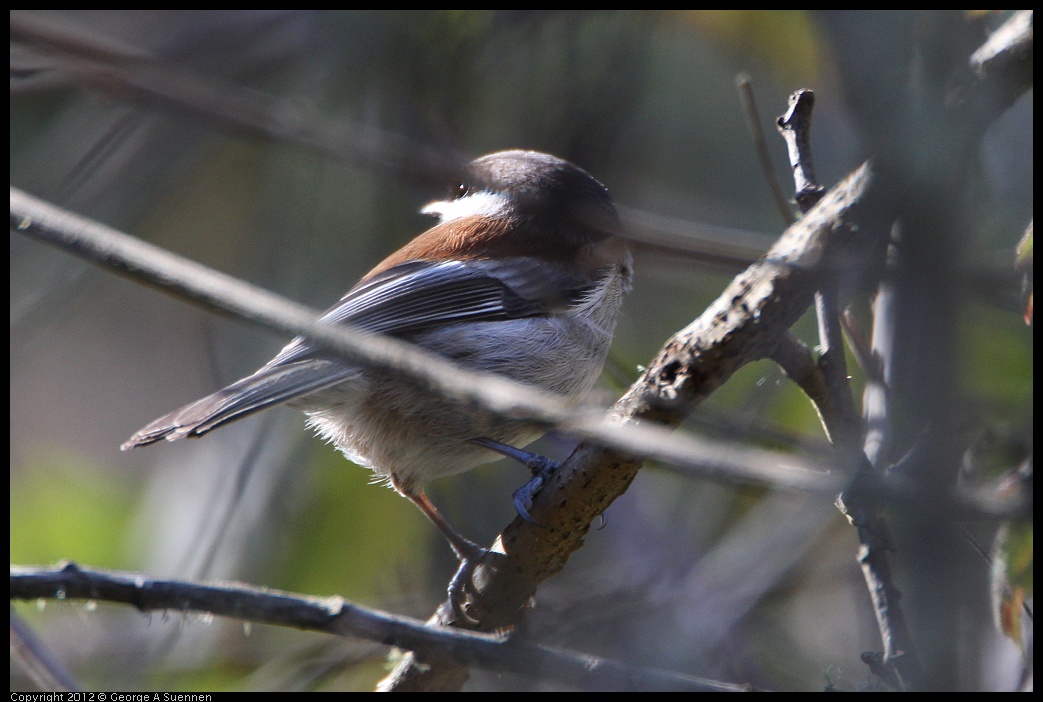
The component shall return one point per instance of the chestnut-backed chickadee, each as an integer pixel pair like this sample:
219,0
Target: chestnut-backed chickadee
523,276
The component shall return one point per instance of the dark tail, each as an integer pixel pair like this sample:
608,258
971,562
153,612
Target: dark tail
270,386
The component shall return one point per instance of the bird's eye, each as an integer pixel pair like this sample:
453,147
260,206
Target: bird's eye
462,190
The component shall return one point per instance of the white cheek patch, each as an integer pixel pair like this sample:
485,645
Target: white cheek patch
482,203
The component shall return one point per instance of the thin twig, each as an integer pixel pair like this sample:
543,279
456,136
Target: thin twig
798,362
795,127
749,105
848,434
898,665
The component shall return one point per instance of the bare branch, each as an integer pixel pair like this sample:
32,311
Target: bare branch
336,616
898,665
743,325
210,289
798,362
795,127
197,283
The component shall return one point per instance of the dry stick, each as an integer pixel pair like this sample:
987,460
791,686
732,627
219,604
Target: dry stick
795,127
798,363
334,615
792,354
898,664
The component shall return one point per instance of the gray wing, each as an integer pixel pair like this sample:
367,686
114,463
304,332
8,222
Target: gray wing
419,295
401,301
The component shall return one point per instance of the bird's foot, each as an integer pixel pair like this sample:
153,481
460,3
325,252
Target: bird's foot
542,469
462,590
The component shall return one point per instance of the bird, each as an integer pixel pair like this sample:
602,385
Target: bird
523,275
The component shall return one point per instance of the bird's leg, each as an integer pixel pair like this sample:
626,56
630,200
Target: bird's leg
469,553
463,547
541,466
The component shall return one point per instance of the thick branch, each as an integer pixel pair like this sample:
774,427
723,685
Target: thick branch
743,325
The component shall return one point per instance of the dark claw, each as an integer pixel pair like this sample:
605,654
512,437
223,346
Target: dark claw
541,465
462,584
524,495
523,498
458,588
